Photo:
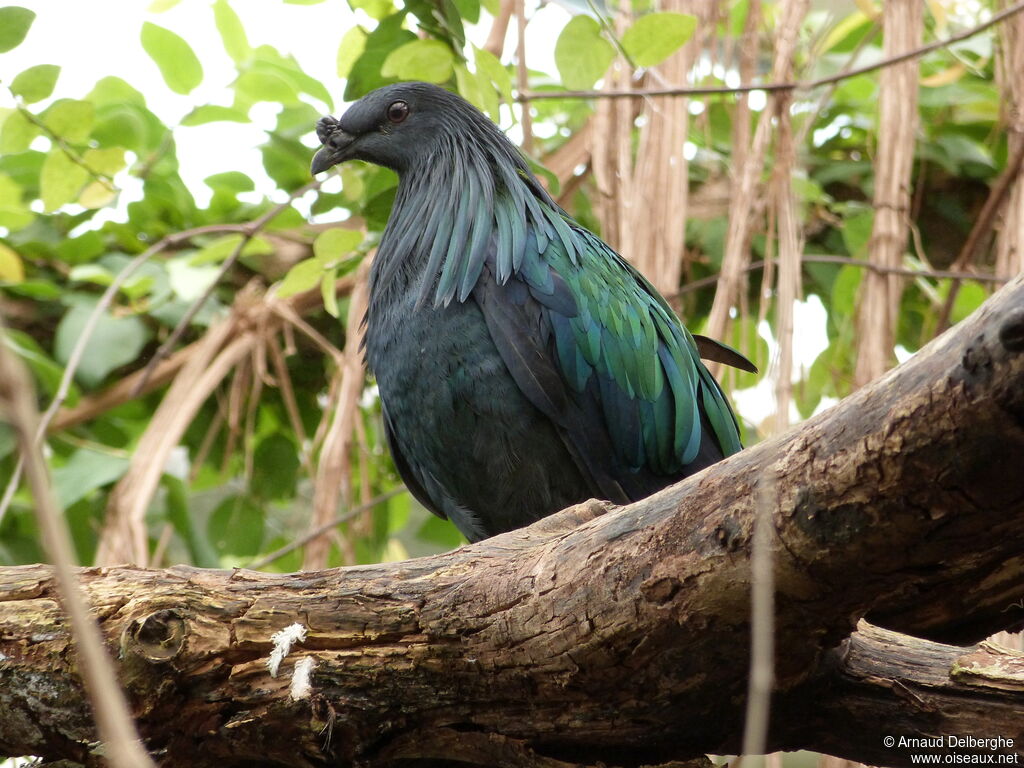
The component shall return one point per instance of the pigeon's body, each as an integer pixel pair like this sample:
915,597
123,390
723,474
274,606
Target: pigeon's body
523,365
456,420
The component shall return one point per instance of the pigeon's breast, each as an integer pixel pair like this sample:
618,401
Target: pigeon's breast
459,417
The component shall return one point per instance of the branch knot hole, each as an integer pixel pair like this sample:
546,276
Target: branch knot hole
661,590
158,637
1011,332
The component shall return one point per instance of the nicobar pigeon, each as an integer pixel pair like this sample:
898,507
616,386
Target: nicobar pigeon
523,365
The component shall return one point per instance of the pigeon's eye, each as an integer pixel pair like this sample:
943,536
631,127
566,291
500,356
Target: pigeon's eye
398,111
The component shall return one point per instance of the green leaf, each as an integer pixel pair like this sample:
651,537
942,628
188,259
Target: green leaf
350,49
219,249
46,371
236,527
365,74
178,64
468,86
16,133
212,113
14,214
300,278
159,6
844,29
114,90
125,125
90,273
275,467
14,24
352,184
581,54
469,10
97,194
653,38
844,292
440,532
216,251
84,248
328,293
333,244
266,86
488,96
189,282
15,217
962,151
35,83
60,180
233,181
375,9
489,64
40,290
429,60
70,119
85,471
327,264
11,268
968,299
857,231
106,161
177,505
287,163
269,61
232,32
116,341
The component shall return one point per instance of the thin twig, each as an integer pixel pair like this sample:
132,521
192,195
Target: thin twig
499,28
66,148
113,719
762,623
91,406
302,541
611,33
982,227
983,223
522,76
810,258
78,352
805,85
291,406
249,231
811,119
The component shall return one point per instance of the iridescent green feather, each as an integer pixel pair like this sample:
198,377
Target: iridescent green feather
623,343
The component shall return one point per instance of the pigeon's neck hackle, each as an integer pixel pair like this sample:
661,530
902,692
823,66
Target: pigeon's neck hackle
473,193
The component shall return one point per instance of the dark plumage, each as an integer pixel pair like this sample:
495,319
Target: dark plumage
523,365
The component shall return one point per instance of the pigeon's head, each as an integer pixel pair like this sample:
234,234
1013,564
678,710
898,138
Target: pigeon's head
398,126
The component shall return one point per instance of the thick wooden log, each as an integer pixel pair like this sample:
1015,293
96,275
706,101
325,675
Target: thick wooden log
881,695
617,635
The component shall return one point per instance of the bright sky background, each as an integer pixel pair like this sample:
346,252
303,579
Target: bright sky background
90,40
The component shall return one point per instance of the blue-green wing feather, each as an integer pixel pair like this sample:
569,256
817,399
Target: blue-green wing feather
620,352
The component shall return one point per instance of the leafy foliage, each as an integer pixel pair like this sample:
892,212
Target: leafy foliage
89,181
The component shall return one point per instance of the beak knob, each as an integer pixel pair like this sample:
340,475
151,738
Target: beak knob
336,143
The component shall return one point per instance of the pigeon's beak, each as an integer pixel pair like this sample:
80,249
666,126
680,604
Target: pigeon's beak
335,149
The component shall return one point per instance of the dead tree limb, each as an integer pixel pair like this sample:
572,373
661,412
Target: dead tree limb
604,634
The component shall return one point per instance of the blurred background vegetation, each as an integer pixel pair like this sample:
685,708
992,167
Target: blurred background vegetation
219,411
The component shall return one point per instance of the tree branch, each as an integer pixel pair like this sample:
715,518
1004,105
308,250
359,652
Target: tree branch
525,95
879,683
605,634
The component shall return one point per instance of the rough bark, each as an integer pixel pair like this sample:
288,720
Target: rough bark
605,634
